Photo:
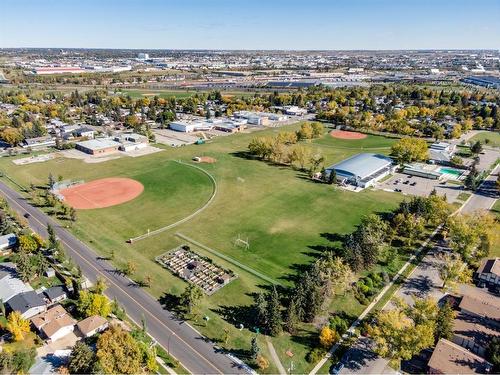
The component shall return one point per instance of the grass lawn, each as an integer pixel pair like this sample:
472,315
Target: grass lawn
284,215
493,137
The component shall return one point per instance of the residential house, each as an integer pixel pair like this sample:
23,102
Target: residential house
488,272
92,325
27,303
481,304
473,333
10,284
7,242
55,294
54,323
450,358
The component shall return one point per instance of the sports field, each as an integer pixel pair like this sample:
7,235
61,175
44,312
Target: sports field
283,214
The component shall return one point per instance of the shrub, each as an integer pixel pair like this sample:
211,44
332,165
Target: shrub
315,355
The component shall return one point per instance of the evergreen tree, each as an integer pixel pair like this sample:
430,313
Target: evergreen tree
291,318
274,321
254,349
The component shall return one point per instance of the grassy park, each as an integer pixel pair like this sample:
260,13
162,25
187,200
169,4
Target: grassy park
491,139
284,215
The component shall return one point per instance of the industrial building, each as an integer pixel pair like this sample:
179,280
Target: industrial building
362,170
99,146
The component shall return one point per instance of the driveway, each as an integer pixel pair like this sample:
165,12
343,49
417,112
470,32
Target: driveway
66,342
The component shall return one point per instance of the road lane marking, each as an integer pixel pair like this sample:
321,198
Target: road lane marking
120,288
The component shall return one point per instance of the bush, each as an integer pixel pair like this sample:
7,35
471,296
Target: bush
315,355
339,324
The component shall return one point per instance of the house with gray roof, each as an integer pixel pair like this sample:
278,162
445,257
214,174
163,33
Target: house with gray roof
28,304
10,284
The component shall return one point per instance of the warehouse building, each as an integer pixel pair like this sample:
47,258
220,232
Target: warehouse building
99,146
362,170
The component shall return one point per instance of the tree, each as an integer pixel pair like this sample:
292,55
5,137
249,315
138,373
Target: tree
27,243
17,325
254,348
470,235
190,298
453,271
18,361
72,214
82,359
332,176
89,304
493,354
444,322
306,131
407,150
398,337
51,181
52,240
130,268
118,352
274,321
362,247
12,136
327,337
291,317
262,362
100,285
476,147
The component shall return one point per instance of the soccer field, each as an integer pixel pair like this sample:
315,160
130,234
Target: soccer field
282,213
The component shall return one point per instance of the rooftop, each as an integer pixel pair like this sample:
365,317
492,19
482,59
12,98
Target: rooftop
490,266
481,303
98,143
450,358
52,320
362,165
91,323
25,301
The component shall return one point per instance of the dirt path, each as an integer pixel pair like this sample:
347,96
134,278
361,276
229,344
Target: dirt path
275,357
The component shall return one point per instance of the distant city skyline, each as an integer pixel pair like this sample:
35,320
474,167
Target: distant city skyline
251,25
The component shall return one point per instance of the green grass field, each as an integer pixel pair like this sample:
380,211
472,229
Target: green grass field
493,137
283,214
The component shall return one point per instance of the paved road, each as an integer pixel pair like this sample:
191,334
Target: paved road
485,196
196,354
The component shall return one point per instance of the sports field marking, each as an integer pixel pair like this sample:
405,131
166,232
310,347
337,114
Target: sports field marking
229,259
189,217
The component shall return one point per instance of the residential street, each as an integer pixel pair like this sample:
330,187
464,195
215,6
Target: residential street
187,345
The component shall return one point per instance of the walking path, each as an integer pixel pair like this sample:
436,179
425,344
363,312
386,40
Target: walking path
189,217
275,357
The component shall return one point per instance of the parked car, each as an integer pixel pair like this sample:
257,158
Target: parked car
406,182
27,215
413,183
337,368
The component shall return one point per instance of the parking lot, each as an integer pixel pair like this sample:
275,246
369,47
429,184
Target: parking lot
413,185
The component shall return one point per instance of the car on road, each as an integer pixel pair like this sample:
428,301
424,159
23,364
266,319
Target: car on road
337,368
27,215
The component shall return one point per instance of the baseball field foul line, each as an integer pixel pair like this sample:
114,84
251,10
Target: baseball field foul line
229,259
173,225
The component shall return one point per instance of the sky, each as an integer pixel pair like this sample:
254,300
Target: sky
251,24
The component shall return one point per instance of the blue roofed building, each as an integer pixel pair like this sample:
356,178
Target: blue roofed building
362,170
